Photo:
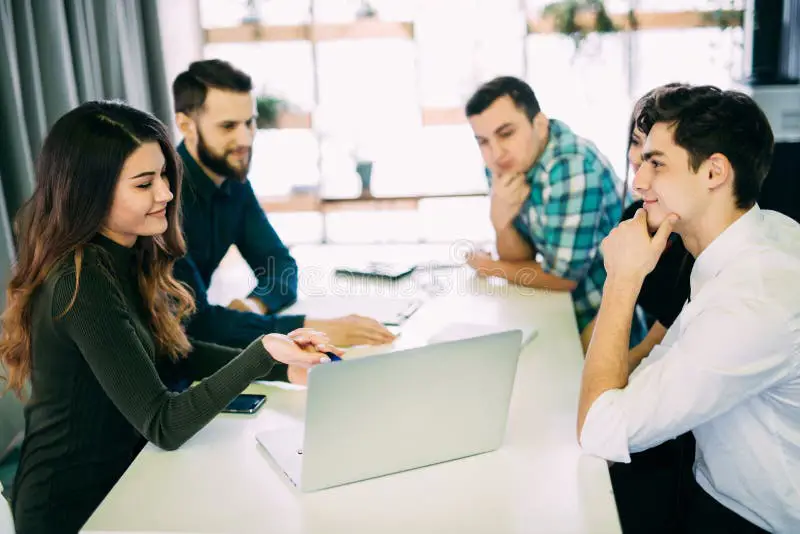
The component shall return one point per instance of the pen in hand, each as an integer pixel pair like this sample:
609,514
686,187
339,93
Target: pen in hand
333,357
329,356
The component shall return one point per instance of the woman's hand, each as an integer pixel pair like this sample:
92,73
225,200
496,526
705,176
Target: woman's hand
301,348
314,341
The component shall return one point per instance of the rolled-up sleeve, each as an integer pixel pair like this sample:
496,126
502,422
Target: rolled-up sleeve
605,431
725,355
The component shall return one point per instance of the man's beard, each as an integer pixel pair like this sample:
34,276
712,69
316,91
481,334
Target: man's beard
219,165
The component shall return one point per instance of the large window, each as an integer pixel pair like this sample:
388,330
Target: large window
390,90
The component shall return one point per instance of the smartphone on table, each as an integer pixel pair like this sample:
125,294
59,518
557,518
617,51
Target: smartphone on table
245,403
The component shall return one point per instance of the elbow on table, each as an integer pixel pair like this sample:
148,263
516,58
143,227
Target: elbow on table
164,435
168,446
275,295
166,442
578,432
289,297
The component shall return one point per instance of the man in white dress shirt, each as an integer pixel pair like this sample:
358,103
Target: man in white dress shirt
729,367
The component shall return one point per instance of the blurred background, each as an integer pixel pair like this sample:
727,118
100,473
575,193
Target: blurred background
350,88
362,136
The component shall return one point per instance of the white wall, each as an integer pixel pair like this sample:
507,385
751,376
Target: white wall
182,36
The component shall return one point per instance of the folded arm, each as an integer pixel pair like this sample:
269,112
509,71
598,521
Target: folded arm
525,273
512,245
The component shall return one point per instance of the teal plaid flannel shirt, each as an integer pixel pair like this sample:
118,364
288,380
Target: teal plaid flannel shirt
575,202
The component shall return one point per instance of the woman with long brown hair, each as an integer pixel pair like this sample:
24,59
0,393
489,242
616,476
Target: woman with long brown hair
93,318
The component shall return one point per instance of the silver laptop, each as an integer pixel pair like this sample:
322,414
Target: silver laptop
392,412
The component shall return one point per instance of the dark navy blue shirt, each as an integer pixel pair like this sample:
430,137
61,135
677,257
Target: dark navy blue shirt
214,218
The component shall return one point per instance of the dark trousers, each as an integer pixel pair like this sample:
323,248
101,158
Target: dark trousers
705,515
657,494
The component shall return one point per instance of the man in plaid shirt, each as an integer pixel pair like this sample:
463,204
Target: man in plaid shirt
553,194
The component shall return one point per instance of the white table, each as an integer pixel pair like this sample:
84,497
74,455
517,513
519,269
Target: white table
539,481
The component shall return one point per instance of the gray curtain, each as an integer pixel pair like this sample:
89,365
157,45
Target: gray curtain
55,54
6,244
790,37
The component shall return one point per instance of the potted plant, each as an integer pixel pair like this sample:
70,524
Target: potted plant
725,18
366,11
364,171
252,15
566,14
268,111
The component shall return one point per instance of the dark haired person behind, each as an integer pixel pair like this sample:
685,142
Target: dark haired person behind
552,194
647,490
94,318
666,288
728,369
215,111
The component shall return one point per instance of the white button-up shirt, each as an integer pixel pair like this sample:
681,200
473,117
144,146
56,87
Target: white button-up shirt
728,370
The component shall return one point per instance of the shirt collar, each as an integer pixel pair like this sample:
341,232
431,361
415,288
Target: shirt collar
200,182
556,129
724,249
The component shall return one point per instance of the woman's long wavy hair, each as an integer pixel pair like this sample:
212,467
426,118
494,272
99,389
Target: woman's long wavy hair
76,176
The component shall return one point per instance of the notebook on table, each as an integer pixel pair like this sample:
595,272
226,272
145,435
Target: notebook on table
376,269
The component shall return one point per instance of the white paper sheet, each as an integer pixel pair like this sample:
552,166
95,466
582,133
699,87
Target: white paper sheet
389,311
